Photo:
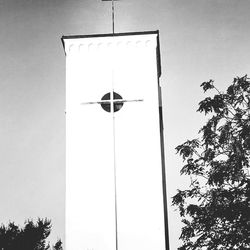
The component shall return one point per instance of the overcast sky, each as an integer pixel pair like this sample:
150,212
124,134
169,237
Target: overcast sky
200,40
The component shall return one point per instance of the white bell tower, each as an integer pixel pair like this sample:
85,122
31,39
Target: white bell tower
115,173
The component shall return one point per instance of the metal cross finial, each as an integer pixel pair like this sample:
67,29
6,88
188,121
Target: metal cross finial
113,14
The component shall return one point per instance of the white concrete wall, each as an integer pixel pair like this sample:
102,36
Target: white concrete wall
95,65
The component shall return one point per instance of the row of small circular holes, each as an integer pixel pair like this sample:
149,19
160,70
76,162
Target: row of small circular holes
109,45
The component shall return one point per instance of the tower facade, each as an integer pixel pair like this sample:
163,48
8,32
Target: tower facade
115,173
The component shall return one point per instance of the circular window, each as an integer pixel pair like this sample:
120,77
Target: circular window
116,103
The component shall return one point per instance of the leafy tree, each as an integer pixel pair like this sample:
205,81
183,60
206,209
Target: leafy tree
215,209
31,237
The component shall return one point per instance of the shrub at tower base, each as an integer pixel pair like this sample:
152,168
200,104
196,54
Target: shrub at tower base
215,208
32,236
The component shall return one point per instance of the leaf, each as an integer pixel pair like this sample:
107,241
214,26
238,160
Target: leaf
187,148
207,85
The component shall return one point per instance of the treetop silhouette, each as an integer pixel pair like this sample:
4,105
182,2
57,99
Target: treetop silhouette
216,207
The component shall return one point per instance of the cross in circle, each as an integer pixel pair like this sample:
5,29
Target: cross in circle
112,102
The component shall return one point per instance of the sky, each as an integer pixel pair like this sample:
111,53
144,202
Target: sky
199,40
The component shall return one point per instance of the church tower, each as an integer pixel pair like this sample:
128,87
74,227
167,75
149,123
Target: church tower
115,173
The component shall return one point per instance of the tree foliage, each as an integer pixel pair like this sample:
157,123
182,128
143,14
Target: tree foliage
215,209
32,236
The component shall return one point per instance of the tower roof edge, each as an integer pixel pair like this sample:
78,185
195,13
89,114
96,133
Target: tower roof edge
111,34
